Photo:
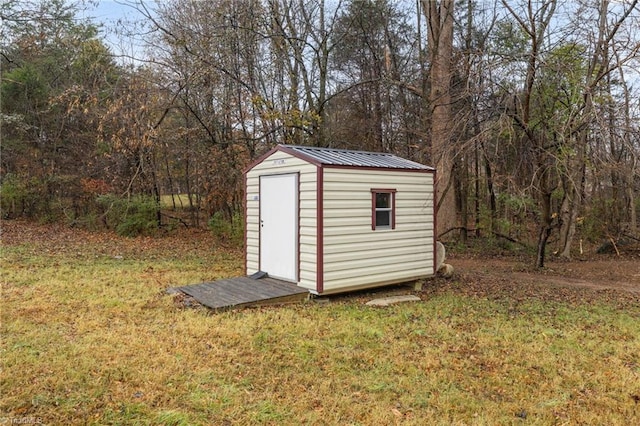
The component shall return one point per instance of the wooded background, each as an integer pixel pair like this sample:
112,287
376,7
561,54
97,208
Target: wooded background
529,109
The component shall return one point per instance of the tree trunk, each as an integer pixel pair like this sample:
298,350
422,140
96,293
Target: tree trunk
547,219
545,232
492,194
633,223
476,188
568,214
439,16
461,195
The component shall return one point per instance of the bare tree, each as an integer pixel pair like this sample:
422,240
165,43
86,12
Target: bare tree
535,23
440,24
608,53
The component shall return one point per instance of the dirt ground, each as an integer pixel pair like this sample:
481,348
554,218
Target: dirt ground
604,272
593,278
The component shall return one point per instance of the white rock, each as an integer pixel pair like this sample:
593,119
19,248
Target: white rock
440,255
386,301
446,270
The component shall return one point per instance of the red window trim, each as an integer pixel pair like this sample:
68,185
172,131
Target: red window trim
375,191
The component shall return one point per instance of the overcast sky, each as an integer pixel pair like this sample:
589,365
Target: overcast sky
114,16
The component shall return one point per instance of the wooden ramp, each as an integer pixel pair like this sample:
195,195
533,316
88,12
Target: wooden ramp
244,291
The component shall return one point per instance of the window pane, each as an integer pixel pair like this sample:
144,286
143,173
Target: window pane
383,200
383,218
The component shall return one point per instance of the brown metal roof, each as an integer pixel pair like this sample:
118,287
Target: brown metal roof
345,157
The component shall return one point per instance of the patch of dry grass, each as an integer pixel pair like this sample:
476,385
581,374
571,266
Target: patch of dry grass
181,201
90,337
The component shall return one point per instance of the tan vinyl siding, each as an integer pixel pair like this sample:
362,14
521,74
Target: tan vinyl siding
280,163
355,256
370,278
363,238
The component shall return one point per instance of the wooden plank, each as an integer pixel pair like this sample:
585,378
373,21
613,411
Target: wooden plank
244,291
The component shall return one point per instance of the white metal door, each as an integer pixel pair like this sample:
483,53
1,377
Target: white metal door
279,226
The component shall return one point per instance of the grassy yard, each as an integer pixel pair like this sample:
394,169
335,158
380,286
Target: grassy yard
90,337
181,201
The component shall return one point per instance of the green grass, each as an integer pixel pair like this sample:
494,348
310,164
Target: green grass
90,337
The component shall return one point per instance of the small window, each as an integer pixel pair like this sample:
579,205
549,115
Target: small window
383,205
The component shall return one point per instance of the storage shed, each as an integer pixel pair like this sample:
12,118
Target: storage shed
333,220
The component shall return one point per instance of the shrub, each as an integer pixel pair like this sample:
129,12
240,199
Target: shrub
12,194
130,216
20,197
227,229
